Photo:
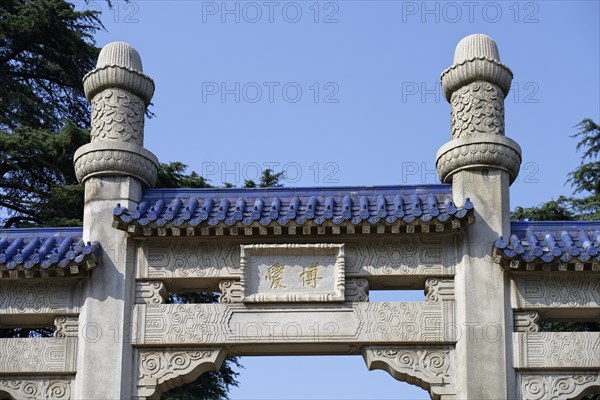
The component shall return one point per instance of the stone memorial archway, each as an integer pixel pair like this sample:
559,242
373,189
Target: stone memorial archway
295,266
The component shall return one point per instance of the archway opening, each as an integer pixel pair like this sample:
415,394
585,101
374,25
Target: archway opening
318,377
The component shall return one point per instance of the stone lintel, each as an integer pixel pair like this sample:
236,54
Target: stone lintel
387,262
573,296
38,355
556,350
346,323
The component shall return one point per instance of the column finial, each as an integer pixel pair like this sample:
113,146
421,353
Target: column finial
119,92
475,86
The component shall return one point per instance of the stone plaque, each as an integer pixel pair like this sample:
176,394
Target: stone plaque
292,272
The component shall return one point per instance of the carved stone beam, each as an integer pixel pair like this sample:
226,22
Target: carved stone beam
556,350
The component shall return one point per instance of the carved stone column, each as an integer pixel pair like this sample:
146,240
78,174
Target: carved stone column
113,167
481,163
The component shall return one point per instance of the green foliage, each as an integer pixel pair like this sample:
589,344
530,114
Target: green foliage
172,175
553,210
546,326
37,180
46,47
585,179
267,179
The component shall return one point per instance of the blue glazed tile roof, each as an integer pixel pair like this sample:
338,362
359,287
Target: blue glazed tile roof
269,207
552,242
45,252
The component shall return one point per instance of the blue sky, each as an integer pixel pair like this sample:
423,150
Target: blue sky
347,93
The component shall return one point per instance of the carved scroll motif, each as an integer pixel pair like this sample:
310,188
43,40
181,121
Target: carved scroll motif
564,290
477,108
36,388
557,350
557,386
429,368
161,370
37,355
40,297
118,115
357,289
150,292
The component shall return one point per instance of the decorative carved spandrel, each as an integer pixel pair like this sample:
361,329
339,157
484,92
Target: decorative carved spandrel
150,292
557,350
357,289
428,367
38,355
31,388
557,386
161,370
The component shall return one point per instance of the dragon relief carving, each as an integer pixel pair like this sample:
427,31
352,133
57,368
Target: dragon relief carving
118,115
477,108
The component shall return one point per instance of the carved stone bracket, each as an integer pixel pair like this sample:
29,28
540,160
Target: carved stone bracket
439,289
357,289
66,326
150,292
231,291
161,370
36,388
526,321
556,386
430,368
